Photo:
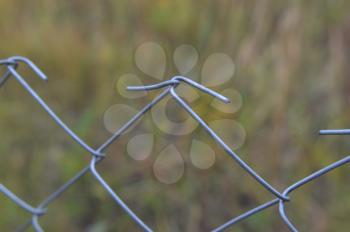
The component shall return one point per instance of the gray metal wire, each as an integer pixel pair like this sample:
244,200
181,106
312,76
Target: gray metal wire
97,155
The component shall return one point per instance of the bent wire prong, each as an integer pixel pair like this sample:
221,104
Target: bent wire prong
160,85
13,62
30,64
176,81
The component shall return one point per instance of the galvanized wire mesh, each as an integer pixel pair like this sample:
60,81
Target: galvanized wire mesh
97,155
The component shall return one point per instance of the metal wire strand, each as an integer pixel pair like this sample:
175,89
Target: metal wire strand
154,86
335,132
246,215
305,181
281,203
226,148
91,168
101,149
36,225
43,104
98,155
30,64
20,202
116,197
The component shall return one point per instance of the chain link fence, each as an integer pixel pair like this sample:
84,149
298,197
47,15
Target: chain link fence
97,155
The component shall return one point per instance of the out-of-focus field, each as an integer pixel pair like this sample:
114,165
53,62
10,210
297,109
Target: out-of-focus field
292,68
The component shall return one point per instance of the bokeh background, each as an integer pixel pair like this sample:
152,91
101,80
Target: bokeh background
292,69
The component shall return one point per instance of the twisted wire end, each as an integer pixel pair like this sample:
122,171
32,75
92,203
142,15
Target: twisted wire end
175,81
225,99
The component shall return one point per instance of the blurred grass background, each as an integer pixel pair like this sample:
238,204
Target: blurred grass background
292,61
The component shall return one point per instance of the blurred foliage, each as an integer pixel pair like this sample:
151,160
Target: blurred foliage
292,60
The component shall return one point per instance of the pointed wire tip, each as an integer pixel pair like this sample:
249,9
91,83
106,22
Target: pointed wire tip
39,73
221,98
226,100
45,78
324,132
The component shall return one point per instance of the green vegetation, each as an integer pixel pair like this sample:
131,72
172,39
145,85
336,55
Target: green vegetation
292,68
